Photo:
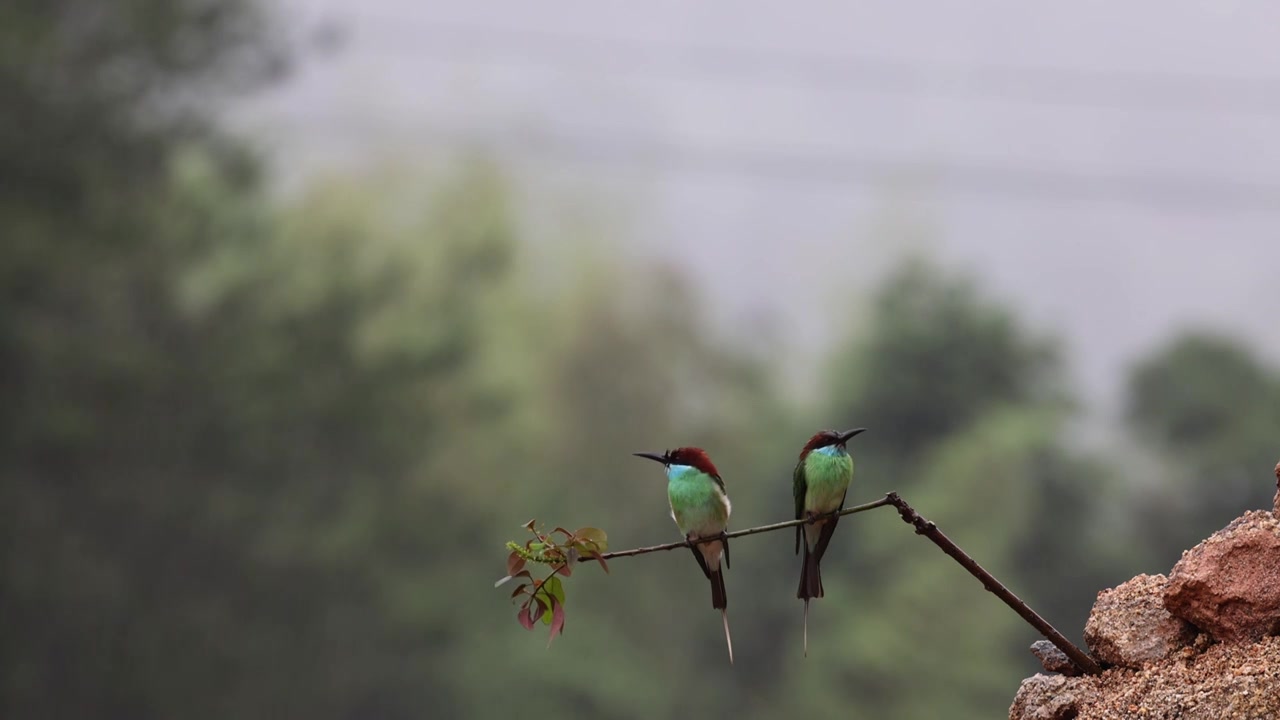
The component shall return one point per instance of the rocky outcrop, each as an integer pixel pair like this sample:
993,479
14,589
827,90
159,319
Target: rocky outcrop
1051,697
1202,644
1228,681
1130,626
1229,585
1053,659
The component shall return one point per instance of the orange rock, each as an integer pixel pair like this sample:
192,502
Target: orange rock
1229,585
1129,625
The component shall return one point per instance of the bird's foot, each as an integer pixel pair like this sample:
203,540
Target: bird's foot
811,516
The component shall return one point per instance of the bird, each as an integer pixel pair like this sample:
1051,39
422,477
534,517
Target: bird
820,481
700,507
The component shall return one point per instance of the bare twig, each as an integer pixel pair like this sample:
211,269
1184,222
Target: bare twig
739,533
931,531
924,527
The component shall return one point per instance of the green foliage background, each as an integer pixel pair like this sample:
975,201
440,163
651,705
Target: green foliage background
258,458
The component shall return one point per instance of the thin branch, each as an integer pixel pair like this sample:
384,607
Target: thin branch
924,527
928,529
739,533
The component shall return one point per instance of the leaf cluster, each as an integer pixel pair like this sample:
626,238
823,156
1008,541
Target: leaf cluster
544,597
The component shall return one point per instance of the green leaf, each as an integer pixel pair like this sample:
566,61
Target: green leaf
544,603
595,535
554,588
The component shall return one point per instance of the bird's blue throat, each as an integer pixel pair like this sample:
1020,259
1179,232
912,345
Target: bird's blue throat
675,471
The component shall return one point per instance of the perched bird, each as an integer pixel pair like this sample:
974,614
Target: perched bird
820,481
701,509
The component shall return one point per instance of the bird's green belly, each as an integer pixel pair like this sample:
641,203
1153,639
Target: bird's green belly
828,481
699,508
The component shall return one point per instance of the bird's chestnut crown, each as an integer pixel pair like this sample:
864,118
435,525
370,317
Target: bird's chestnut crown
828,437
693,457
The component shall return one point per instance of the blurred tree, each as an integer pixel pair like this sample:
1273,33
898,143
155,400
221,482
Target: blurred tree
1210,411
236,524
363,358
94,362
632,366
252,458
965,410
936,357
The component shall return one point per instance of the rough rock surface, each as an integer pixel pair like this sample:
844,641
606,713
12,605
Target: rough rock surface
1239,681
1129,625
1051,697
1229,585
1275,504
1052,659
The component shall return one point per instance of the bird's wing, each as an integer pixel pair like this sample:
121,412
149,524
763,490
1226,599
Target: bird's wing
702,562
799,486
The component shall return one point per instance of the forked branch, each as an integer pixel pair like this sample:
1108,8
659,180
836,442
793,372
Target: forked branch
924,527
741,533
1082,660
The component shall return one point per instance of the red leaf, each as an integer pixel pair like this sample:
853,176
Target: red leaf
538,609
603,565
529,525
520,590
524,574
562,530
557,621
514,563
525,619
565,570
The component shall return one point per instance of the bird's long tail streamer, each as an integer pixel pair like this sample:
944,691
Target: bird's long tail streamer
806,627
724,615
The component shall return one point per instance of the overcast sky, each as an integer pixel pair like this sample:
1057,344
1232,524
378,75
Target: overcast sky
1110,167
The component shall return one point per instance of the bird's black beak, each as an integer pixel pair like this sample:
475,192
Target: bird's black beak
844,437
652,456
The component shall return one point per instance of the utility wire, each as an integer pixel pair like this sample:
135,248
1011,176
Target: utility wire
636,152
578,52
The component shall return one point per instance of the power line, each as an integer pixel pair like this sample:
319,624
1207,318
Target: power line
566,51
634,152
